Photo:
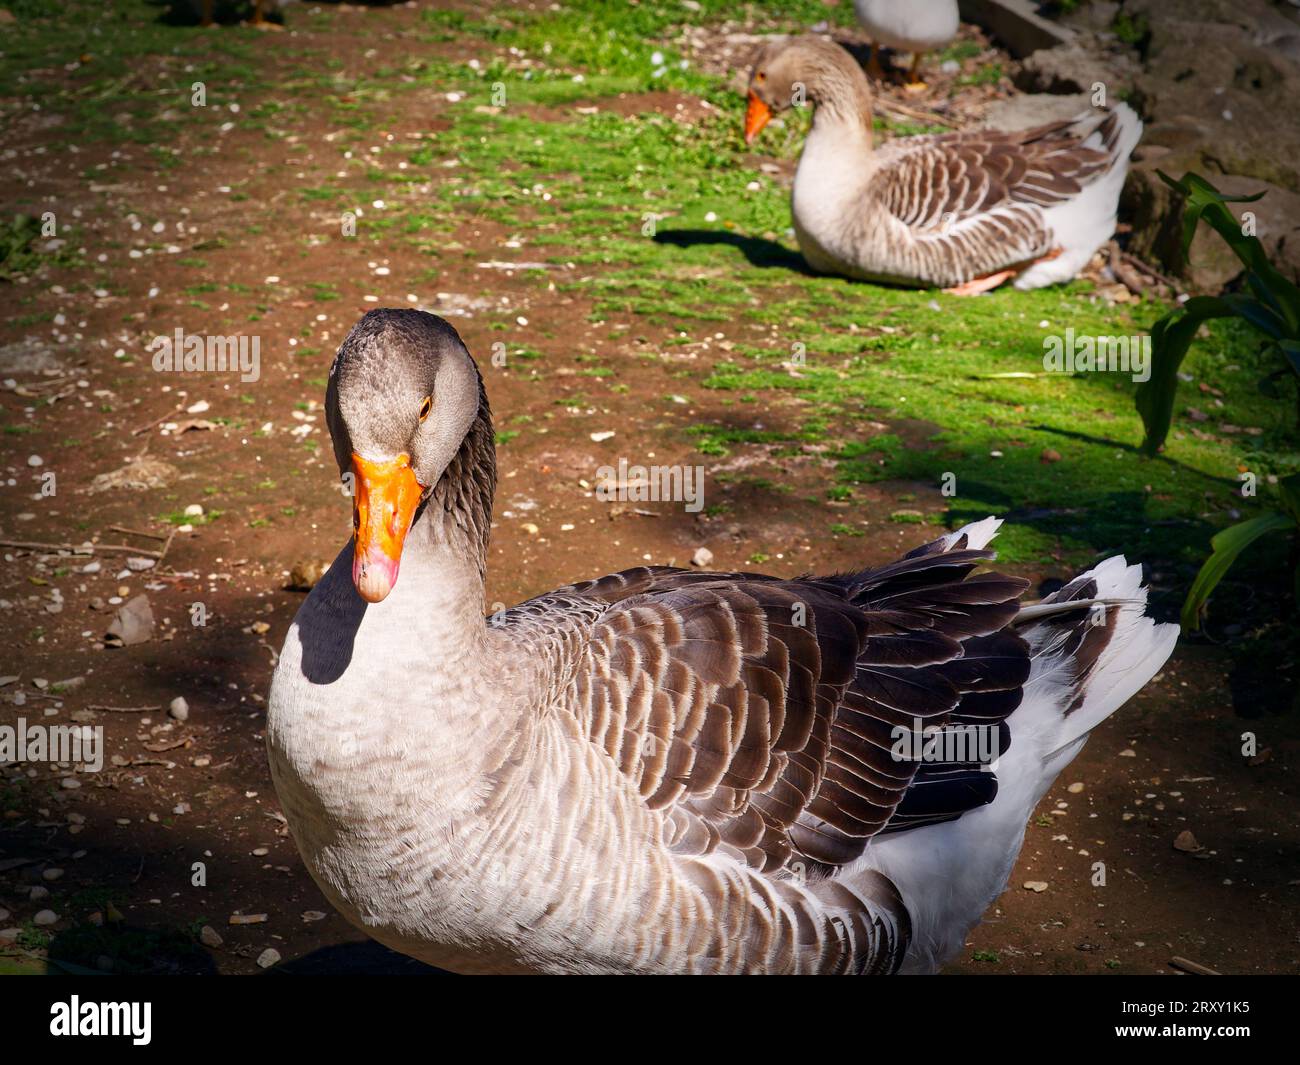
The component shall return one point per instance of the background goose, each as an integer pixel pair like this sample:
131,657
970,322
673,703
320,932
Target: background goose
914,26
960,210
660,770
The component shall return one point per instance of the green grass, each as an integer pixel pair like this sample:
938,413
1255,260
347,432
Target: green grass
670,240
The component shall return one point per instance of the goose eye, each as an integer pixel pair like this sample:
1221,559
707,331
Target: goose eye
425,407
762,75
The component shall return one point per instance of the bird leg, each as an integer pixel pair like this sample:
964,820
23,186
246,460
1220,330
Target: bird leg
976,285
914,83
874,69
259,21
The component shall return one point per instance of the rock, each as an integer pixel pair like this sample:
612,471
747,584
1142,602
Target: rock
1073,68
139,475
309,916
4,914
209,937
30,357
10,935
268,957
1075,788
1154,211
194,510
132,623
139,565
1018,26
45,918
52,874
703,557
1186,842
179,709
305,575
38,894
1024,112
1036,886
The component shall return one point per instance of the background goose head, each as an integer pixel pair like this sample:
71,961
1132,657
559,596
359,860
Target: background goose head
409,421
793,70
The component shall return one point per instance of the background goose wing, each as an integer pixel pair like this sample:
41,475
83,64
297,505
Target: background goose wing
935,183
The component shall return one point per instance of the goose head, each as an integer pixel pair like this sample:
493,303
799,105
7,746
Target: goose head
403,394
792,71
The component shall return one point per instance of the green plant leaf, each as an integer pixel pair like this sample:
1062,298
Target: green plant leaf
1291,352
1170,338
1288,489
1203,201
1258,313
1202,197
1226,546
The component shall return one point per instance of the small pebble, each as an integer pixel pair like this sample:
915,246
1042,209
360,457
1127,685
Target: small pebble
268,957
45,918
209,937
179,709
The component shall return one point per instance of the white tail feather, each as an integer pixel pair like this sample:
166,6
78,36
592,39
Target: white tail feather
950,873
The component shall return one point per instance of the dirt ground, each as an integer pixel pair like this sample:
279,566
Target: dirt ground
176,793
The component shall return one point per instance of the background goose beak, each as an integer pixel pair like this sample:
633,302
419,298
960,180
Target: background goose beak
385,498
757,115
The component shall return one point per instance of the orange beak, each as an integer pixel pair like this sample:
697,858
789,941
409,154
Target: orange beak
383,507
757,115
